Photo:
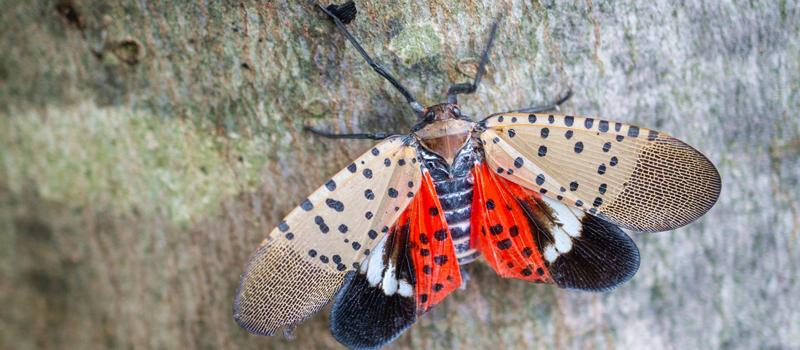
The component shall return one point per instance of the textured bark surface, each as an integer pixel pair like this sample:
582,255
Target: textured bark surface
148,146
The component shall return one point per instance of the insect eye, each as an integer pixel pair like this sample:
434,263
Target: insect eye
430,116
456,111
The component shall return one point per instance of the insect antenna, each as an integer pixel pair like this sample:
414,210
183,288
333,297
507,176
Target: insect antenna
355,136
468,88
347,12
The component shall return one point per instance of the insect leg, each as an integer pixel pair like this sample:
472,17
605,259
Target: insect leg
544,108
375,66
355,136
468,88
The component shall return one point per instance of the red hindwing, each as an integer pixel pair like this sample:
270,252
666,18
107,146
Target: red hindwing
502,230
431,248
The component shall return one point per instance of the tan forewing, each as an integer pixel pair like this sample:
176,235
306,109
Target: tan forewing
301,264
638,178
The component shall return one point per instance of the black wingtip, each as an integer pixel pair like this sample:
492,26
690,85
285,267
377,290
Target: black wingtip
602,258
363,317
345,12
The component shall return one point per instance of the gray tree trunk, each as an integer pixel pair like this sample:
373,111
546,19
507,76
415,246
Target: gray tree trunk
148,146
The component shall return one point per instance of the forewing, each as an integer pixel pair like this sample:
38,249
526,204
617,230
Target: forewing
302,263
528,236
634,177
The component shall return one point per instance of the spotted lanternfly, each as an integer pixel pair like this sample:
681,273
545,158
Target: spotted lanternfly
540,196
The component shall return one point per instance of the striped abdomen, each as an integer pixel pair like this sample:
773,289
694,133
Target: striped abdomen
454,188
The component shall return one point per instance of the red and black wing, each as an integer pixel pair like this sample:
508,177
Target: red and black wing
527,236
569,182
412,269
503,232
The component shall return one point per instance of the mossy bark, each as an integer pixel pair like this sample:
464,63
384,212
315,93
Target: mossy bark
147,147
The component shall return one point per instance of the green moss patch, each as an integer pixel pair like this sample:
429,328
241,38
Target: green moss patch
92,156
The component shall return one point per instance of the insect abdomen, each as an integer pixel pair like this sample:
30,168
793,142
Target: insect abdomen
455,195
454,186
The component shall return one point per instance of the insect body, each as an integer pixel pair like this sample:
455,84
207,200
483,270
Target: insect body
448,152
540,196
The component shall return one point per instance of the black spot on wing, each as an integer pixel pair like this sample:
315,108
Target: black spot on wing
330,185
540,179
496,229
504,244
603,127
603,258
633,131
578,147
363,317
440,259
334,204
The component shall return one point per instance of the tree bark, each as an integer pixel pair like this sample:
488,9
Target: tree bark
149,146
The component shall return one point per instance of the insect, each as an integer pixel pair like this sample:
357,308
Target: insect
540,196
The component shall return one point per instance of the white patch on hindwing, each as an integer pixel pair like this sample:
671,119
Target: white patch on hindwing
562,241
567,225
374,268
405,289
550,253
569,219
389,279
383,274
